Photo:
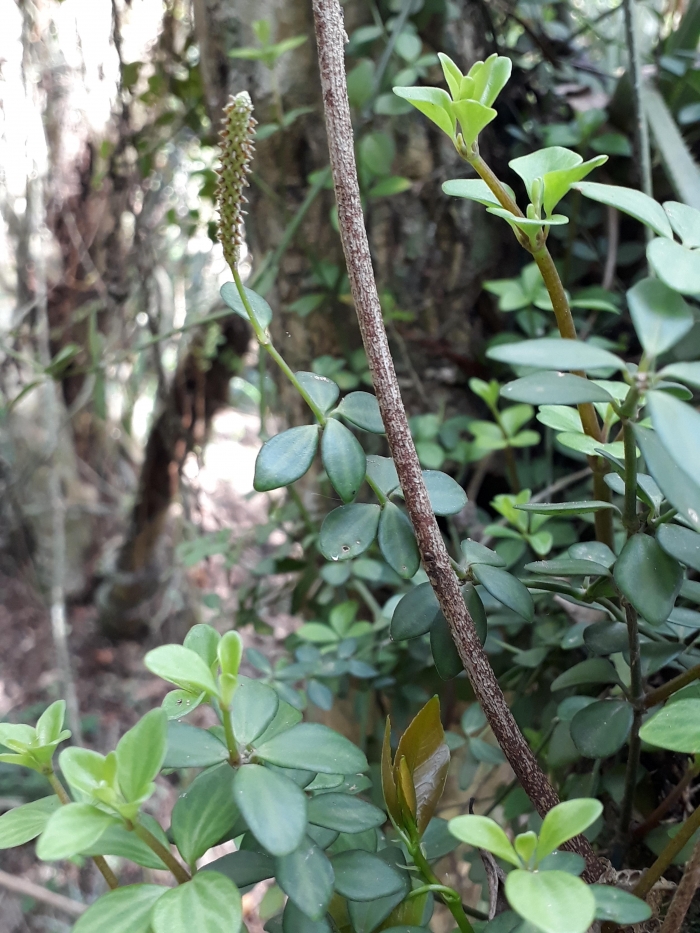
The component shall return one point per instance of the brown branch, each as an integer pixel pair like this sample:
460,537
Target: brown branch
26,888
330,37
685,892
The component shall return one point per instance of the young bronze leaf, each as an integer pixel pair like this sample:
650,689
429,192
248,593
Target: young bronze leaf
388,784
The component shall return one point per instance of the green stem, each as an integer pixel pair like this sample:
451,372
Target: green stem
673,686
443,889
673,847
265,342
451,900
371,603
629,515
231,744
637,695
99,860
164,854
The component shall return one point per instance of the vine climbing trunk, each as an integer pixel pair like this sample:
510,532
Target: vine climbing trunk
330,37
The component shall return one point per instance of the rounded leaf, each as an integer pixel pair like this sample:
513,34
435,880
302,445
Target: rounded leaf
262,312
209,901
72,829
601,729
344,813
681,543
24,823
254,707
190,747
445,655
506,588
343,459
363,876
554,901
676,266
618,905
348,531
397,541
565,821
322,390
124,910
204,813
311,746
273,807
648,578
362,410
675,727
181,666
552,388
553,353
484,833
446,495
306,877
660,316
414,613
286,457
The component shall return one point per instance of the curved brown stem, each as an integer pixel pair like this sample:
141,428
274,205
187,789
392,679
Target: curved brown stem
330,37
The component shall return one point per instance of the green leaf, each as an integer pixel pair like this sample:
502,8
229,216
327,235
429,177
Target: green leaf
558,168
685,221
676,266
553,353
306,876
229,653
635,203
592,671
446,658
681,543
490,77
311,746
295,921
567,567
377,152
475,553
618,905
24,823
605,637
473,118
204,813
648,578
681,491
553,901
344,813
453,76
593,550
140,755
286,457
473,189
343,459
415,612
118,840
49,727
446,495
362,876
125,910
601,729
382,473
678,427
260,308
190,747
72,829
209,902
362,410
348,531
552,388
434,103
204,641
254,707
675,727
484,833
273,807
395,184
397,541
245,867
317,633
684,372
660,316
475,607
182,667
367,916
506,588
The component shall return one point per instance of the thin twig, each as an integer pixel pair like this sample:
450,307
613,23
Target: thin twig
26,888
330,37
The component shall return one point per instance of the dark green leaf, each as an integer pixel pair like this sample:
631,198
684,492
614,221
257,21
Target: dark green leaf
190,747
362,876
382,473
601,729
475,553
273,807
397,541
660,316
125,910
306,877
446,495
415,613
648,578
260,308
245,867
286,457
343,459
362,410
344,813
552,388
618,905
551,353
635,203
255,705
606,637
366,916
445,655
348,531
294,921
506,588
313,747
323,391
564,509
209,901
676,485
567,567
676,266
681,543
592,671
204,813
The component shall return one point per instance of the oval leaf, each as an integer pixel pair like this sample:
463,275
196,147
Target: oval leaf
484,833
552,388
311,746
414,613
262,312
24,823
322,390
125,910
363,876
648,578
306,877
273,807
553,901
71,830
397,541
348,531
286,457
254,707
567,820
618,905
676,727
362,410
446,495
506,588
660,316
181,666
343,459
190,747
635,203
209,901
344,813
601,729
552,353
204,813
681,543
